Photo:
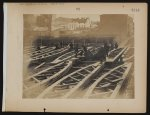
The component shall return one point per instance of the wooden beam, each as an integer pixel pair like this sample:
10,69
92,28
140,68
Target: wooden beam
117,79
74,78
39,65
25,86
81,74
87,70
77,67
43,71
119,72
114,75
93,67
106,85
36,79
107,69
108,79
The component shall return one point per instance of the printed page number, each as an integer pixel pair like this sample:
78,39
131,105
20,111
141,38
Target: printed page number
77,9
135,9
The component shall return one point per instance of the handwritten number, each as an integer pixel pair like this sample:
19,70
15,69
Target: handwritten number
78,9
135,9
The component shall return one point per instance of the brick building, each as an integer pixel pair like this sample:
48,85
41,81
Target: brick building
119,26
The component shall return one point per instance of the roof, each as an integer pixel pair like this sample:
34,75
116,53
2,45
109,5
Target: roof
80,20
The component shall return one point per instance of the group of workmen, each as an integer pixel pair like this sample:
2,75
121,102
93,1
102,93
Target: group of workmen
105,49
72,46
82,50
59,45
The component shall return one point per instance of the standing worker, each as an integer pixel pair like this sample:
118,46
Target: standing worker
84,49
76,50
106,47
71,46
111,42
61,44
56,46
102,54
116,45
87,54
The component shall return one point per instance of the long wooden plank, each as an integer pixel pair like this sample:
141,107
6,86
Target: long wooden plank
123,68
117,79
43,71
39,65
93,67
77,67
128,58
81,74
107,69
61,72
108,79
87,70
112,60
74,78
115,75
44,75
36,79
105,85
115,92
65,57
119,71
49,54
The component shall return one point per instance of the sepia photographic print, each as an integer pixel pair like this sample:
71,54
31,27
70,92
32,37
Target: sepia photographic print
81,57
78,56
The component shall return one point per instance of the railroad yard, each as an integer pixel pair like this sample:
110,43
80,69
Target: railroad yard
101,70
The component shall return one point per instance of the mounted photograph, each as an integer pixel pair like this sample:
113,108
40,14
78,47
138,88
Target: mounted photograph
78,56
75,57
